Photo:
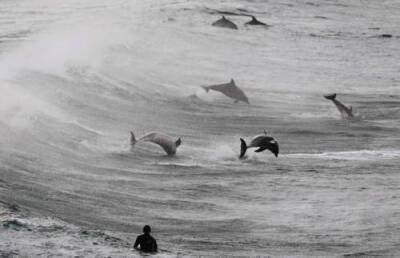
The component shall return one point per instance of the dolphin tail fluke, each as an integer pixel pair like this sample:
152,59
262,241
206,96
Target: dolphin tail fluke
205,88
330,96
243,148
275,149
133,139
178,142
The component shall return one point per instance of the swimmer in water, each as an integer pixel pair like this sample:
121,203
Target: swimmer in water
146,242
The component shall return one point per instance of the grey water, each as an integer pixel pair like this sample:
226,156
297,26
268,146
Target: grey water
77,76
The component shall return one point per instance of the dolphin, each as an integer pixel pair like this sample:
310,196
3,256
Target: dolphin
340,106
254,21
229,89
263,142
224,23
165,141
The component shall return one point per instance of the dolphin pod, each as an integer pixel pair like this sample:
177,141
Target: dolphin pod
169,145
225,23
340,106
165,141
229,89
262,142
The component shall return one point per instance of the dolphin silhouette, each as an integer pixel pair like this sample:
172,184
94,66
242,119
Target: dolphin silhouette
229,89
263,142
224,23
254,21
340,106
165,141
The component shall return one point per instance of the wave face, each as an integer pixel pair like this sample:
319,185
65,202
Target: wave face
76,77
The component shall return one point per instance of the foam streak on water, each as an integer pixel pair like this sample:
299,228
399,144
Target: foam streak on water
76,77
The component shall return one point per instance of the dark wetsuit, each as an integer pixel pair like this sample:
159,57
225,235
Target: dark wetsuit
147,243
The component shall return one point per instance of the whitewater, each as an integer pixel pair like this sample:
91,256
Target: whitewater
77,76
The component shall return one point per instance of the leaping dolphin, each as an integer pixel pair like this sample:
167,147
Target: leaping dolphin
165,141
229,89
254,21
263,142
224,23
340,106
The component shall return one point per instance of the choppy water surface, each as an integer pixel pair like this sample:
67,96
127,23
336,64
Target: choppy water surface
76,77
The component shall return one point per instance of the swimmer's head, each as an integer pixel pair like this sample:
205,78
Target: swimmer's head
146,229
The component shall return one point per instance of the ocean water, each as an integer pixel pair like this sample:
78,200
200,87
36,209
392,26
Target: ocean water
77,76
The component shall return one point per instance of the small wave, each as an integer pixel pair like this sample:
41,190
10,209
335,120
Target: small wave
27,236
178,165
87,128
14,224
102,236
12,207
308,132
309,115
361,155
16,35
253,160
368,253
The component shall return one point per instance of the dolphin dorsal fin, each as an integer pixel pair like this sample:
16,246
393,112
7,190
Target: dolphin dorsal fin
232,82
253,18
133,139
